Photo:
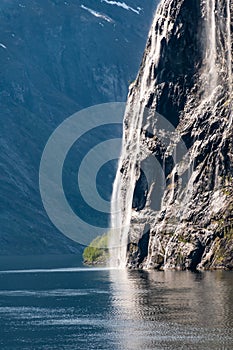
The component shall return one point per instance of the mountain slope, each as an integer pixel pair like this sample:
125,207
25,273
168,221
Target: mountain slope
56,57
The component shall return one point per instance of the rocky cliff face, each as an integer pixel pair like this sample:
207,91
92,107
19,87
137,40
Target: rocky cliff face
175,176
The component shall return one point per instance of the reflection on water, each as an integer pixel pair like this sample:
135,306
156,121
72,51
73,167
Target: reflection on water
103,309
158,310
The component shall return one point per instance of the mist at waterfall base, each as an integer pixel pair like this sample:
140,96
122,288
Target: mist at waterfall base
76,308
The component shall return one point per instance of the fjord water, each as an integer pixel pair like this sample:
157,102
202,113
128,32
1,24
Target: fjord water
81,308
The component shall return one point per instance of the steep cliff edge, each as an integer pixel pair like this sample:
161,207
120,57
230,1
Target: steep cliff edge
175,176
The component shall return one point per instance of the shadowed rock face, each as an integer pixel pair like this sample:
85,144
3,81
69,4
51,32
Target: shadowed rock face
56,58
185,76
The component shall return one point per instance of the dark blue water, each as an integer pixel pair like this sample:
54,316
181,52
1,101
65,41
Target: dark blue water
75,308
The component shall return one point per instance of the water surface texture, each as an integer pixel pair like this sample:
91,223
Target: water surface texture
76,308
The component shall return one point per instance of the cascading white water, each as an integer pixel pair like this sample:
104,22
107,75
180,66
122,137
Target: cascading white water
120,222
218,51
211,74
115,242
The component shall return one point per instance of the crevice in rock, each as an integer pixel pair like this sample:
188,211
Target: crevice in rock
140,192
196,256
143,244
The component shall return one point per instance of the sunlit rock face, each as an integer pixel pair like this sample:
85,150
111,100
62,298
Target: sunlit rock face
175,175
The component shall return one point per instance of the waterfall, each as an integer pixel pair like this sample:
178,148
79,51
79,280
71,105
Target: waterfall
117,247
120,221
218,67
216,72
211,73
